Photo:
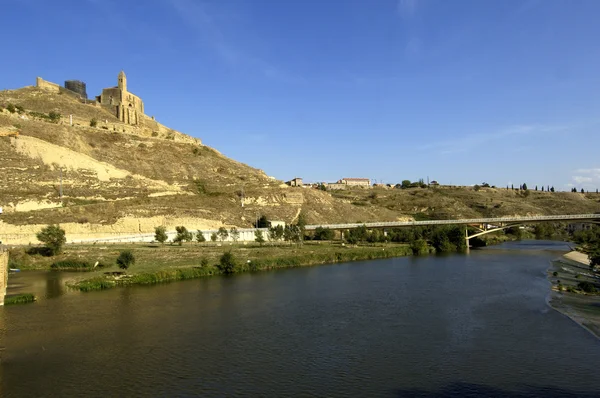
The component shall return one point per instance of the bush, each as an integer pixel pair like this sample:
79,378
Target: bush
54,116
125,259
419,247
200,237
555,273
324,234
20,109
183,235
160,234
53,237
258,237
213,237
93,123
11,108
587,287
227,263
204,262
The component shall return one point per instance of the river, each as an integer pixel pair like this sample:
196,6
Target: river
457,325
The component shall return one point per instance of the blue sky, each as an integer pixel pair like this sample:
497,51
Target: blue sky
502,91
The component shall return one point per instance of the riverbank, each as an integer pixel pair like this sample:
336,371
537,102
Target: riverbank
566,272
165,263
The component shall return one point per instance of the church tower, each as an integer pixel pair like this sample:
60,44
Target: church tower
122,81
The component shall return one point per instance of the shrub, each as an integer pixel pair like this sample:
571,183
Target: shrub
213,237
204,262
11,108
227,263
419,247
155,134
54,116
160,234
587,287
324,234
125,259
555,273
182,235
93,122
222,233
53,237
200,237
20,299
258,236
19,109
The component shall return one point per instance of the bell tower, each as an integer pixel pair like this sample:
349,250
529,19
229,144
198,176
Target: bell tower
122,81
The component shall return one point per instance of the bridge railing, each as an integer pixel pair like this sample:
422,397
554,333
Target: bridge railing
573,217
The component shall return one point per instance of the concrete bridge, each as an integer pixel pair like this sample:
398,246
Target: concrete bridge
481,225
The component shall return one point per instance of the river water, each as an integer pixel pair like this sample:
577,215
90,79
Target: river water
458,325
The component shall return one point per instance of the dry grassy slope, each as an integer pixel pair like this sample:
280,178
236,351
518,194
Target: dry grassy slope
200,182
465,202
110,176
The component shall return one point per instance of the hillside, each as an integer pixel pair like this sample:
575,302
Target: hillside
122,179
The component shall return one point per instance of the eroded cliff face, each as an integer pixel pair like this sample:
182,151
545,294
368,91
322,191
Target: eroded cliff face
3,274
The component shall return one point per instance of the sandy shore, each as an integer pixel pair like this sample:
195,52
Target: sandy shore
571,269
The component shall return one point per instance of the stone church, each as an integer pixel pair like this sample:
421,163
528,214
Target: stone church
128,107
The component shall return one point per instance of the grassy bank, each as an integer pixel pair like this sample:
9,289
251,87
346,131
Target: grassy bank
156,263
566,274
19,299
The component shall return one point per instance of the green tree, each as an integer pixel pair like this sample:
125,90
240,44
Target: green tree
516,232
594,255
587,287
200,237
125,259
223,233
93,122
405,184
276,233
213,237
160,234
258,236
552,189
235,234
292,233
182,235
524,187
582,191
324,234
419,247
53,236
227,263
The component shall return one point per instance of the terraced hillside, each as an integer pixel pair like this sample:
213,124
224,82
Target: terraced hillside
121,179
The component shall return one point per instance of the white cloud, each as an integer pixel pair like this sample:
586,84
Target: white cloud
581,179
471,141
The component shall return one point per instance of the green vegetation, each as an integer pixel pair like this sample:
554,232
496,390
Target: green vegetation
71,265
93,122
200,237
53,237
160,234
258,237
11,108
19,299
235,234
227,263
222,233
158,264
125,259
323,234
213,237
262,222
587,287
183,235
